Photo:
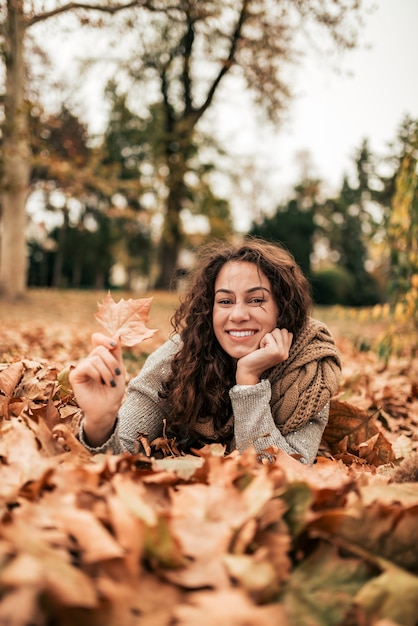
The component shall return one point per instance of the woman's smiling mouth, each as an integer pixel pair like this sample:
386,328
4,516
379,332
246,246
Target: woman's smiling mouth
241,333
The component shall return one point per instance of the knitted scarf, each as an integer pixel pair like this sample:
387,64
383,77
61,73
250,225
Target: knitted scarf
303,384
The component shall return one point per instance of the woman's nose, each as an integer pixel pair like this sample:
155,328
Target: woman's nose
239,311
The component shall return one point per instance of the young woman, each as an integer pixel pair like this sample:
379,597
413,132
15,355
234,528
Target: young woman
245,366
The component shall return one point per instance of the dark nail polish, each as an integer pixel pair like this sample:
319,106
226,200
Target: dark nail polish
112,383
117,372
112,344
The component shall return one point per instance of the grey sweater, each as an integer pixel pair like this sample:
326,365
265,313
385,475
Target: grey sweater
143,412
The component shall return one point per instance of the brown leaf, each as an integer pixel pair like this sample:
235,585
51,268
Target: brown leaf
50,568
19,447
382,519
93,540
354,431
129,532
19,607
255,573
10,377
229,606
126,318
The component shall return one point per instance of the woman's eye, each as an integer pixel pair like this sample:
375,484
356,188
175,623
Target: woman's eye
257,300
225,301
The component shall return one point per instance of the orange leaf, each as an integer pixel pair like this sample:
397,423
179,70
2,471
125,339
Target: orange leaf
126,318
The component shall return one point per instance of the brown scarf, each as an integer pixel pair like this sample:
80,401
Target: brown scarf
303,384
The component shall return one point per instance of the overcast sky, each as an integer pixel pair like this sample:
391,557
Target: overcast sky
333,112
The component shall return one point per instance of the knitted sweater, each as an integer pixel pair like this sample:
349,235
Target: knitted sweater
262,416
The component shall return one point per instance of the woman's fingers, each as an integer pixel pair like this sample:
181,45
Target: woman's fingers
101,370
103,365
99,339
279,340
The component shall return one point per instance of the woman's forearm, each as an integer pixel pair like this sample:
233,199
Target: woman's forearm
254,425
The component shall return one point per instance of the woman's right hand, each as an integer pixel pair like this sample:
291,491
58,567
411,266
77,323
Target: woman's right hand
98,382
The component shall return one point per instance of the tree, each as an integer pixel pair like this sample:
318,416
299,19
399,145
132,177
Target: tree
134,150
59,153
349,225
400,335
93,193
293,224
402,221
398,195
16,18
182,58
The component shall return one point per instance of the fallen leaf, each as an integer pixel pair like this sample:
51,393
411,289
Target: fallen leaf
126,318
322,588
254,573
10,377
231,607
352,430
392,595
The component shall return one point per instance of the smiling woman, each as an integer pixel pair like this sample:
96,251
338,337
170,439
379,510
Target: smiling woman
245,366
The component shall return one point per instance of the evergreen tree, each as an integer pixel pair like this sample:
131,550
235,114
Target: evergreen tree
349,225
293,224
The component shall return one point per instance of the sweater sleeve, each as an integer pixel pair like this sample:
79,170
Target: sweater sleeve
254,424
142,412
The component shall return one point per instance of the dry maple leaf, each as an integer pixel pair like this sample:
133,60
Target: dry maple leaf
126,318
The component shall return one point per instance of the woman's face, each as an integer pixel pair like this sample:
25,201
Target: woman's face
244,309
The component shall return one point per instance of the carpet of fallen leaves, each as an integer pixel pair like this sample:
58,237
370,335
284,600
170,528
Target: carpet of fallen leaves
199,539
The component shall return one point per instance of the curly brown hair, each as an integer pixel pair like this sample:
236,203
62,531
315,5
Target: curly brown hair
201,372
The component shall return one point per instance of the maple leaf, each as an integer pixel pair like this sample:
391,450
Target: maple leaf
126,318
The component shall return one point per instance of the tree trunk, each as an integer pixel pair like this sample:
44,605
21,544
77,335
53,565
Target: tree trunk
170,241
177,157
59,253
14,187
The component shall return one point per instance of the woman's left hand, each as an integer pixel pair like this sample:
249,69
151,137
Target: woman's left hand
274,349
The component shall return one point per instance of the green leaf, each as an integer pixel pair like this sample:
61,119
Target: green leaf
299,498
321,590
161,547
392,596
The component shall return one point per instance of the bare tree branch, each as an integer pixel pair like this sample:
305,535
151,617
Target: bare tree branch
228,62
110,9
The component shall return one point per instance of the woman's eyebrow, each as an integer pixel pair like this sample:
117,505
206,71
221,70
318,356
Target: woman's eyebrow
224,290
257,288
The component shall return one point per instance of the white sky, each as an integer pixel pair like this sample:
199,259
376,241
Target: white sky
333,112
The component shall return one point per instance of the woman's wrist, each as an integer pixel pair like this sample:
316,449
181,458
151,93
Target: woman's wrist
246,378
97,433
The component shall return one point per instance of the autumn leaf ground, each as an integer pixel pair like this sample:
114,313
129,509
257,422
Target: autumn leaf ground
207,539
